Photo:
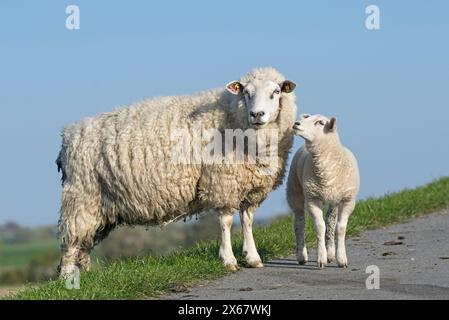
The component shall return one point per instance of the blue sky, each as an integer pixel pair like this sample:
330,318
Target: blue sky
388,88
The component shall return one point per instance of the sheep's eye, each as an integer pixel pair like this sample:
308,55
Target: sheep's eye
321,123
274,92
246,93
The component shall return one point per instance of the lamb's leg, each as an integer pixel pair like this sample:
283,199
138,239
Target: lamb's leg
331,218
226,254
295,198
249,247
317,215
300,227
344,211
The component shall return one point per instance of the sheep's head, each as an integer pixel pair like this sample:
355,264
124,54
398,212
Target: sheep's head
314,127
262,99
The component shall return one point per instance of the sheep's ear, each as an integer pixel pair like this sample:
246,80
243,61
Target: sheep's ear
332,124
304,116
234,87
287,86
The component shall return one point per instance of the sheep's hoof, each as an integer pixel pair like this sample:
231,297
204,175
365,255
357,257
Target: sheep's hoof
342,265
232,267
255,264
330,259
321,265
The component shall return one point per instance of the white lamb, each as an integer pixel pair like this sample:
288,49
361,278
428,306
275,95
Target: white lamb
323,173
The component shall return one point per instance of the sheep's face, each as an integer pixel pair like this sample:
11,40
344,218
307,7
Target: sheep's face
262,99
314,127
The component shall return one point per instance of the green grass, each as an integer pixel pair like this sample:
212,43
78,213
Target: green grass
151,276
19,255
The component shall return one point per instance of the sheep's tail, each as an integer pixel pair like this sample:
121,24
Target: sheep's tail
60,164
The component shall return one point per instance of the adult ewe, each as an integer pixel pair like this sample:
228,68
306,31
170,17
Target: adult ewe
118,168
323,173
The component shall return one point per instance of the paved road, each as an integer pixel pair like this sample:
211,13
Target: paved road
414,266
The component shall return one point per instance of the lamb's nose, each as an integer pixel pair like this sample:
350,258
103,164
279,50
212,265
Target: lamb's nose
257,114
297,123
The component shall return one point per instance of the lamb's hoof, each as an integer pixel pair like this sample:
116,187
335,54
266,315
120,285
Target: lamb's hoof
232,267
301,256
321,265
342,262
330,255
255,264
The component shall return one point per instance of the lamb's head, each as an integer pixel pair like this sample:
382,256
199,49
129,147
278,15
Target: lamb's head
315,127
262,99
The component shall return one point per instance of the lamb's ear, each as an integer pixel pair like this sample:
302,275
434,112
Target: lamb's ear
234,87
332,124
287,86
304,116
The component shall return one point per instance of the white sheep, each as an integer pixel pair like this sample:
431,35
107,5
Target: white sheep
323,173
118,167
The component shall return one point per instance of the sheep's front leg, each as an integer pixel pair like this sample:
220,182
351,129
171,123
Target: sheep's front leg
226,254
344,211
317,216
249,247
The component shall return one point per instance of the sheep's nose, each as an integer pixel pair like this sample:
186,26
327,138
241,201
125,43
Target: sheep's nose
297,123
257,114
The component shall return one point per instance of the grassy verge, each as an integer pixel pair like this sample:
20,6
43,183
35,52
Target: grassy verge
151,276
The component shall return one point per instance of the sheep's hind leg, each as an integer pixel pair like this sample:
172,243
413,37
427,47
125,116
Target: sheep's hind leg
78,226
226,253
96,236
331,218
68,265
249,247
317,215
76,254
344,211
84,258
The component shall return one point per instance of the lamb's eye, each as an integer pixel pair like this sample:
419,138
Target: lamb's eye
320,122
246,93
277,91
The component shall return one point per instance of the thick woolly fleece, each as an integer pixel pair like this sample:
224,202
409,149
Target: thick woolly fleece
118,167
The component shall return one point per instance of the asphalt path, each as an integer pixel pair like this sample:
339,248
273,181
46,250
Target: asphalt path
411,259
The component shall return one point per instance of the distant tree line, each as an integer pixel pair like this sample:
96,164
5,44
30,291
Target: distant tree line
13,233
